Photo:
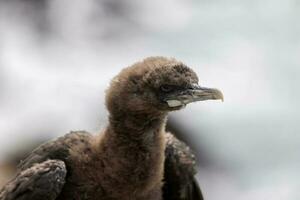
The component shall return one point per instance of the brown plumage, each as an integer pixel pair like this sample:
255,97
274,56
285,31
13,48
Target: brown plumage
133,158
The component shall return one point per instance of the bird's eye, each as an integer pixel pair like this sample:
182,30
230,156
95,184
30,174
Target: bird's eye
166,88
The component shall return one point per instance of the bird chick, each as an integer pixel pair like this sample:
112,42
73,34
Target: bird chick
134,158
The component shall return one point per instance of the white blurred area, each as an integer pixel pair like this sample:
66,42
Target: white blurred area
57,57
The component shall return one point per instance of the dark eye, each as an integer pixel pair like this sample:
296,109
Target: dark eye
166,88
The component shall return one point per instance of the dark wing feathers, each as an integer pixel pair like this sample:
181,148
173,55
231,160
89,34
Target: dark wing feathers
56,149
41,181
180,169
42,174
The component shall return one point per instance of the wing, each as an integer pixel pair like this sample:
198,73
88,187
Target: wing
180,169
42,174
41,181
56,149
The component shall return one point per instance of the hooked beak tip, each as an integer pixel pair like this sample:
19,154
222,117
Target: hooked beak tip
218,94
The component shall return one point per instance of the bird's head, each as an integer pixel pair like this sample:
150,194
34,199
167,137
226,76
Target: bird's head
156,85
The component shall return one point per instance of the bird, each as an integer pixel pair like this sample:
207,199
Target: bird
133,157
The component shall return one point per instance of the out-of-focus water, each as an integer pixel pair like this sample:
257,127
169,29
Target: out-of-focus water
57,57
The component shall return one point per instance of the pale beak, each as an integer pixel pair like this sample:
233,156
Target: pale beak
193,94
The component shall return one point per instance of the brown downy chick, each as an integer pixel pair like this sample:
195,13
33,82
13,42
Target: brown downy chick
134,158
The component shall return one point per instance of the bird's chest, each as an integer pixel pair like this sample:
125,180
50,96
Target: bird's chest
95,190
115,179
119,170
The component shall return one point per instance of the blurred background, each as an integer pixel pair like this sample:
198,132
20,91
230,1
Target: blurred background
58,56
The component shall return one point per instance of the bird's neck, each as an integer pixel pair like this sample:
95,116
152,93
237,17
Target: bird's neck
136,130
138,124
134,145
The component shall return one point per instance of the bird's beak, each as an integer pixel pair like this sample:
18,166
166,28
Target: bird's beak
195,93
